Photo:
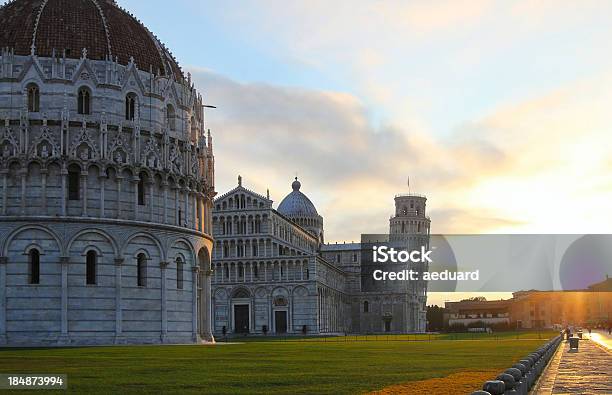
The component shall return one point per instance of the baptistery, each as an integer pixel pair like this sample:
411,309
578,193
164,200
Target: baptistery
106,181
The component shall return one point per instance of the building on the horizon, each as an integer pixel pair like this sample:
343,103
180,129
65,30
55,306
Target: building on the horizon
106,181
534,309
274,274
477,312
545,309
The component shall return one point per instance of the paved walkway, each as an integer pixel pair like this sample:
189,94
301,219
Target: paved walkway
586,372
603,338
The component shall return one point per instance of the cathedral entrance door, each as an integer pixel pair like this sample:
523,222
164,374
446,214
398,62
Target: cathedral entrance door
241,318
280,321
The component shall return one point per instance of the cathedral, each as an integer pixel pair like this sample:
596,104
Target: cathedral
106,181
274,274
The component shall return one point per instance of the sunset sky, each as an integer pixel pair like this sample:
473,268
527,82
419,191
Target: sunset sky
500,112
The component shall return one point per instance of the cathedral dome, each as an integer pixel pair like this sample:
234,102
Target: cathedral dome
296,204
69,26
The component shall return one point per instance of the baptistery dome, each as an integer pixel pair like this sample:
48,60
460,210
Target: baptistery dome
106,181
300,209
106,31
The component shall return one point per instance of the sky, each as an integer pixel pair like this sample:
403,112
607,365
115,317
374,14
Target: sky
499,111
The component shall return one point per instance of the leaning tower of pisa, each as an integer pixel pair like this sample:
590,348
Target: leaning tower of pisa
410,225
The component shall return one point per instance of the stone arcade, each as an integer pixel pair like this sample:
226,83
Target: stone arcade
274,274
106,181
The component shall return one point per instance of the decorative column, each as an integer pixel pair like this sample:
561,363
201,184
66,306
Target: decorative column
208,334
135,180
102,181
64,175
4,192
176,206
84,187
164,305
118,303
64,261
194,285
119,183
165,188
270,318
186,211
290,314
43,174
150,184
195,211
24,173
3,264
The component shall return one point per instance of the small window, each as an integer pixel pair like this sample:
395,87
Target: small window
74,184
130,107
141,270
255,272
171,117
180,218
91,268
34,266
33,98
366,307
83,104
354,257
179,273
141,189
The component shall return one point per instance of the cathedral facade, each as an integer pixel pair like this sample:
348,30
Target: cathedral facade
106,181
273,273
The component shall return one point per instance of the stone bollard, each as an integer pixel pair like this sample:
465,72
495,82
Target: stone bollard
494,387
529,373
524,386
509,383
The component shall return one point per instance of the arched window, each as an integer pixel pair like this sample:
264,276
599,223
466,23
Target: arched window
90,275
130,106
179,273
33,98
83,104
366,307
141,270
34,269
74,183
171,114
141,189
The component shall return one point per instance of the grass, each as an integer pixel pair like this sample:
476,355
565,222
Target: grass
267,367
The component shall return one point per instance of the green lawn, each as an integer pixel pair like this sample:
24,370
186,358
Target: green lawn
266,367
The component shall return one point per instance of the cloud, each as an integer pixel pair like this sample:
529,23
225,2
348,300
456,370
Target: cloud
538,165
350,169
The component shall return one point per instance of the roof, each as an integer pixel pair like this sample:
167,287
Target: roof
296,204
100,26
604,286
477,305
341,247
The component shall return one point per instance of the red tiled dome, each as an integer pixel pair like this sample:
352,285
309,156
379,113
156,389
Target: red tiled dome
71,25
